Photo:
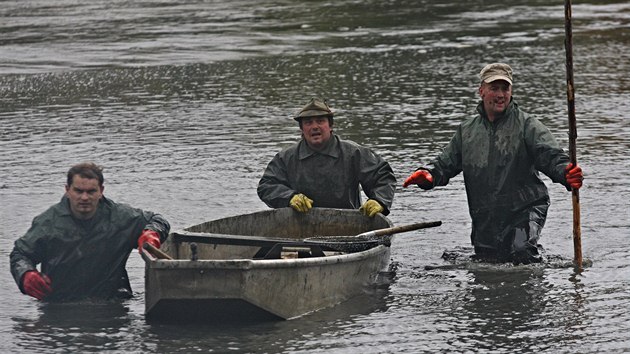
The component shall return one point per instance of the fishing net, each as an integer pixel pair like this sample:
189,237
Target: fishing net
350,244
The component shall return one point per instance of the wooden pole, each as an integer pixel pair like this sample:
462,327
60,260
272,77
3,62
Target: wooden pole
568,45
156,252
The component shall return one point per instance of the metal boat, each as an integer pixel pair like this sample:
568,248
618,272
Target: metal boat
261,266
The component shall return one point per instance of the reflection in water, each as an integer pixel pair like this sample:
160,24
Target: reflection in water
504,309
308,333
75,327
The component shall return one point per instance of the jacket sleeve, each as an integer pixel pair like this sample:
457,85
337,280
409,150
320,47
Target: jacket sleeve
28,251
274,188
157,223
449,163
542,146
377,179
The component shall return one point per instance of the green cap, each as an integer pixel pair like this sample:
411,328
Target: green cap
315,108
496,71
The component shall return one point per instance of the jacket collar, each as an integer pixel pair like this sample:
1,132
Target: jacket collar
64,207
330,149
508,111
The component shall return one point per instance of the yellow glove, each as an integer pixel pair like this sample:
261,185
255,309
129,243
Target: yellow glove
371,208
301,203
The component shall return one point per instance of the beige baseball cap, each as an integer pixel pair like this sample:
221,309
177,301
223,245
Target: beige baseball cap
496,71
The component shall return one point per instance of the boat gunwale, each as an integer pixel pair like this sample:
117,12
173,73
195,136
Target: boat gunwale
244,263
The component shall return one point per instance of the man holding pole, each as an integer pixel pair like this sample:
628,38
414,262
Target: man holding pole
500,150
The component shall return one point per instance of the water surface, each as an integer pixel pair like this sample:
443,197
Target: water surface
185,103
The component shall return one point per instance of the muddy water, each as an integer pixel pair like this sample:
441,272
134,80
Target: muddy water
185,103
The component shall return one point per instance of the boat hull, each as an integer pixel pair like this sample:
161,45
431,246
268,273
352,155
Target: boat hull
225,282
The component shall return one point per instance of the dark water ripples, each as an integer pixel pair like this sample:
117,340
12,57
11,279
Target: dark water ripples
185,103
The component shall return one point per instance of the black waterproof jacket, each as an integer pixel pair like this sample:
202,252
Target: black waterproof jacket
84,259
331,178
500,161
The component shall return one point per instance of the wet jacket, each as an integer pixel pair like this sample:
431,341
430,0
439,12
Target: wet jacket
331,178
500,161
84,258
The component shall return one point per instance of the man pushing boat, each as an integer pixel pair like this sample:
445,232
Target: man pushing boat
322,170
83,243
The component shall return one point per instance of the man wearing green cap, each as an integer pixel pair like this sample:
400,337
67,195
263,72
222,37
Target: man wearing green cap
322,170
500,150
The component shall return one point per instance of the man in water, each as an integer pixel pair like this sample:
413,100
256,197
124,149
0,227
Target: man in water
83,243
322,170
500,151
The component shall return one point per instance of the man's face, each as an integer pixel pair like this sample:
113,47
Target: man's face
496,96
316,131
84,194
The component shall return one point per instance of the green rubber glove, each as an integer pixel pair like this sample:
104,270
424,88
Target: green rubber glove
301,203
371,207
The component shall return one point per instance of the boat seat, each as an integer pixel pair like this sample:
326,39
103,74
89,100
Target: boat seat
275,252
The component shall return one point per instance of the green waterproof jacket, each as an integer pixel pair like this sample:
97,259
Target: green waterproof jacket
500,161
84,259
331,178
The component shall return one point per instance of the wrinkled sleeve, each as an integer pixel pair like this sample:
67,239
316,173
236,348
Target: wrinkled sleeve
132,221
28,251
158,223
377,179
274,188
543,147
449,163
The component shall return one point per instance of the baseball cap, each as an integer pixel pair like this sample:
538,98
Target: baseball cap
496,71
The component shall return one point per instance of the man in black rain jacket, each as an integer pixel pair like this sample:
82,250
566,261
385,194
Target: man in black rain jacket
83,243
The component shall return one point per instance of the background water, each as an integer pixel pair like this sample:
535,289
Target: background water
184,103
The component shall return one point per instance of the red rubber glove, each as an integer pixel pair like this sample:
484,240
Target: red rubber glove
574,175
422,178
148,236
36,284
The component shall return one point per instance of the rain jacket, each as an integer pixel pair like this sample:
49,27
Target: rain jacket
500,161
84,258
330,178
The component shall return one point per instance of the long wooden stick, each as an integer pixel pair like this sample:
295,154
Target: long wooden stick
158,253
399,229
568,45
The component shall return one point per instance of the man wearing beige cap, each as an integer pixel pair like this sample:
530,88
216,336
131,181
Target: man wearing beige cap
322,170
501,150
